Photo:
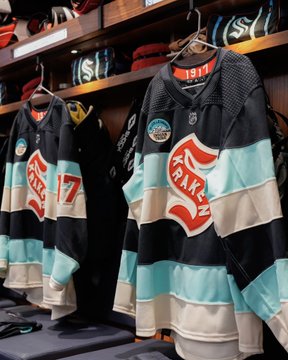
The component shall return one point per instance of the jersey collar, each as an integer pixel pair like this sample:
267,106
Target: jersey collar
184,97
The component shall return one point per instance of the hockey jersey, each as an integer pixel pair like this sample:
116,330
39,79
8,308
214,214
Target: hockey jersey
43,230
204,250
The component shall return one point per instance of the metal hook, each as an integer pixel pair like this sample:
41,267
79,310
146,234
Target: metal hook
39,63
191,5
42,73
199,20
191,8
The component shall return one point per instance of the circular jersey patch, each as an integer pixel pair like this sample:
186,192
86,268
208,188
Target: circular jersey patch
159,130
21,147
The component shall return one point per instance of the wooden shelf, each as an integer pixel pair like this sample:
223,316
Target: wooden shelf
262,43
91,87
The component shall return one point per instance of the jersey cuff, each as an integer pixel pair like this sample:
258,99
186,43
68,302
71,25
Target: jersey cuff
55,285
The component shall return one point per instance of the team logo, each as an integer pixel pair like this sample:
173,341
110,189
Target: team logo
21,147
159,130
36,175
86,69
240,26
192,118
185,162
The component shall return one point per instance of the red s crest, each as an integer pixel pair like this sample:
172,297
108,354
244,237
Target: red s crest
185,177
36,176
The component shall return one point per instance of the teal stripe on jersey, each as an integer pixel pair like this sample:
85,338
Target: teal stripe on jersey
8,175
63,268
137,158
263,299
198,284
133,189
25,251
282,271
48,261
51,180
239,169
15,174
68,167
154,177
239,303
4,239
128,266
155,174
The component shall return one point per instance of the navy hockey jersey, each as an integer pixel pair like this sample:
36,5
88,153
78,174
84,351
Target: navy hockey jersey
204,250
43,232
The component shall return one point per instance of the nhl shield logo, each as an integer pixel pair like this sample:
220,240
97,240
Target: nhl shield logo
186,160
193,118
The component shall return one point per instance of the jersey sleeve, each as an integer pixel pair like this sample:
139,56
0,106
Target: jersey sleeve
125,296
71,229
245,207
6,202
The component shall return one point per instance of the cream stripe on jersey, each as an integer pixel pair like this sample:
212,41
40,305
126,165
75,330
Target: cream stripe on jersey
15,199
246,208
153,206
250,332
5,205
190,320
186,318
78,210
276,325
125,299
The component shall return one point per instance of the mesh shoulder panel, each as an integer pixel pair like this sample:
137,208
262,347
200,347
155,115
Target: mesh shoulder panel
157,98
238,79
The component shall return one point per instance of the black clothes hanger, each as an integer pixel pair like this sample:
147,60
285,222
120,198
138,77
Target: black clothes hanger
40,85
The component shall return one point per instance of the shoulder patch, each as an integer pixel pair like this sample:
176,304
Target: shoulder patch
159,130
21,147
